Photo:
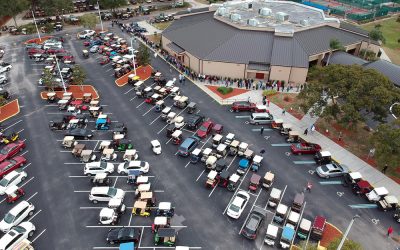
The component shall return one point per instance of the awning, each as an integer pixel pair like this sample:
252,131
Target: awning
175,48
258,66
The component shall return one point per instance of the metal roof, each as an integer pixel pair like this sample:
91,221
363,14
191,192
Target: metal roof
190,11
390,70
353,28
288,52
343,58
175,47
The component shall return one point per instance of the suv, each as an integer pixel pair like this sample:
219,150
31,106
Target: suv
243,106
253,223
122,235
86,33
16,215
3,79
4,67
194,121
105,194
187,146
14,238
93,168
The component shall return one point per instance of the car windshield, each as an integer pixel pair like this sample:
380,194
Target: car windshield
203,128
325,168
234,208
4,151
4,182
299,146
112,192
9,218
19,229
103,164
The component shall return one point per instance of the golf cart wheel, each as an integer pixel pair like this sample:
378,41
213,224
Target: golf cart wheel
257,123
231,110
31,233
8,69
94,201
246,122
30,213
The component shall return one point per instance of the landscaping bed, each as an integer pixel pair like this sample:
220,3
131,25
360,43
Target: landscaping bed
9,110
161,26
234,91
143,72
330,234
289,101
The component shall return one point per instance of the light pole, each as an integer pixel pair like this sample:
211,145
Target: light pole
347,231
34,20
101,21
62,79
133,55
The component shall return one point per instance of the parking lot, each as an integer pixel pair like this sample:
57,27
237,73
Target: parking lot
66,219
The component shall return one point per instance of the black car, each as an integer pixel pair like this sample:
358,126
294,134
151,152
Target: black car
122,235
80,133
194,121
253,223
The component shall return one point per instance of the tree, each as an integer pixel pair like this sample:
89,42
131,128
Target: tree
376,35
89,21
348,245
310,246
342,92
79,76
143,55
47,80
13,8
386,140
334,44
56,7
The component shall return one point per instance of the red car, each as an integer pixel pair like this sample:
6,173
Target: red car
243,106
305,148
205,129
11,149
104,60
33,51
10,165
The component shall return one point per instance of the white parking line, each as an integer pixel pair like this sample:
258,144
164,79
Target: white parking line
162,129
212,191
138,106
116,179
141,235
32,196
128,91
38,236
168,140
88,191
149,110
12,125
200,175
154,248
33,216
73,163
133,98
25,152
130,219
87,140
187,164
20,131
110,176
27,165
234,157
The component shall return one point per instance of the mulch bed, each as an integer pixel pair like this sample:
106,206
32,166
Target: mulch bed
144,72
235,91
330,234
297,114
77,92
9,110
37,40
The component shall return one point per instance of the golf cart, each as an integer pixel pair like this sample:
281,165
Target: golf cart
130,155
274,197
377,194
234,147
323,157
389,202
293,219
248,154
195,156
268,179
177,137
318,228
170,117
220,165
191,107
287,237
68,141
298,202
120,128
133,174
243,166
350,179
221,150
95,111
77,150
13,193
108,216
362,187
286,128
87,97
101,179
277,124
212,181
159,106
164,113
9,136
117,205
211,163
223,179
304,229
103,122
281,212
242,148
51,97
271,235
254,182
233,182
206,153
160,222
58,124
256,163
141,208
216,140
165,236
109,155
294,137
229,138
85,54
165,209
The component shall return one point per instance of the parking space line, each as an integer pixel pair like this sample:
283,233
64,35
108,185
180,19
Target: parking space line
234,157
168,140
24,152
154,120
33,216
20,131
128,91
158,191
162,129
187,164
110,176
32,196
108,226
73,163
200,175
133,98
116,179
27,165
87,140
141,235
12,125
149,110
38,236
138,106
212,191
130,219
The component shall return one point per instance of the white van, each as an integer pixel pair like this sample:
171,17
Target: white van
261,118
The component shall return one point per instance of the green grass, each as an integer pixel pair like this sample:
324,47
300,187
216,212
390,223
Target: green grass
391,31
162,26
224,90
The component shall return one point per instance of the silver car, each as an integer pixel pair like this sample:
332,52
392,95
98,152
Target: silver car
332,170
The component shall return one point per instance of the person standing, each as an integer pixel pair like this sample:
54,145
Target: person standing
312,128
389,231
309,186
305,131
340,136
262,130
385,168
183,79
283,111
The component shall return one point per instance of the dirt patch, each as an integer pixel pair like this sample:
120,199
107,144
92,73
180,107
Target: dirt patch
37,40
330,234
144,72
235,92
289,101
9,110
77,92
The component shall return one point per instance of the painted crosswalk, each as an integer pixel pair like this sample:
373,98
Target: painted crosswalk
281,144
303,162
330,182
363,206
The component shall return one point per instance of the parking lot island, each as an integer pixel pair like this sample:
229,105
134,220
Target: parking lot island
77,92
144,72
9,110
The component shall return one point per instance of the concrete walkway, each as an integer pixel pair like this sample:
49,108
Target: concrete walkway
150,28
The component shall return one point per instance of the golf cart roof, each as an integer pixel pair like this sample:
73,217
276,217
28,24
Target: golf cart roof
278,121
294,133
221,147
145,187
381,191
174,90
217,137
235,143
87,94
119,136
181,248
51,94
212,174
127,246
130,152
325,153
146,195
305,224
142,179
272,230
207,151
140,204
286,125
86,152
255,178
106,212
192,105
391,199
269,176
138,83
105,143
294,216
134,172
184,99
114,202
319,222
160,102
100,176
158,74
154,143
282,208
102,116
177,133
196,151
257,158
155,96
355,175
160,220
178,119
243,145
147,89
230,136
234,178
211,160
166,232
164,205
166,110
68,138
62,101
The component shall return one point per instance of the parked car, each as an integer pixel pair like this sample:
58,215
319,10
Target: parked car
238,204
142,166
156,147
5,67
253,223
17,234
11,165
205,129
11,149
94,49
80,133
93,168
12,179
16,215
194,121
3,79
332,170
86,33
105,194
33,45
305,148
243,106
122,235
187,146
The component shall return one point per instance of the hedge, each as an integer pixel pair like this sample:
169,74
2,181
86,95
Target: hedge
225,90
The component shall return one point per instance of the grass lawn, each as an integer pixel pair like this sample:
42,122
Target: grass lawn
288,101
155,38
162,26
391,31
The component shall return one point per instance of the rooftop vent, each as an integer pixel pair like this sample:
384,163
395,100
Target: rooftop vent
235,17
253,22
282,16
247,5
304,22
222,11
265,11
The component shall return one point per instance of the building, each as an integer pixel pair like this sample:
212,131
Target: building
269,40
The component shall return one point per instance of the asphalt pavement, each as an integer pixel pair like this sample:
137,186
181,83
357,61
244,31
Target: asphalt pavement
65,219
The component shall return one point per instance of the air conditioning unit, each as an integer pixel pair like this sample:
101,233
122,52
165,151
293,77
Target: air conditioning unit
282,16
222,11
304,22
265,11
253,22
247,5
235,17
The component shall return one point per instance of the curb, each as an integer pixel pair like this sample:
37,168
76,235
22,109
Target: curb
12,115
94,89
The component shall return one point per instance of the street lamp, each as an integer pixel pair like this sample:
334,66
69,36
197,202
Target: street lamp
62,79
347,231
34,20
133,54
101,21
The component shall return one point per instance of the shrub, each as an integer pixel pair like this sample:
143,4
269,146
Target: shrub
269,92
225,90
286,98
30,28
